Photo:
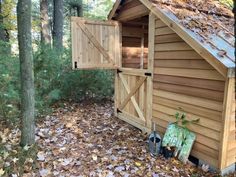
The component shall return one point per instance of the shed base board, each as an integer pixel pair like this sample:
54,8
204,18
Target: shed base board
230,169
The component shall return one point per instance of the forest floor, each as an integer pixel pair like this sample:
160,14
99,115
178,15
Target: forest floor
86,139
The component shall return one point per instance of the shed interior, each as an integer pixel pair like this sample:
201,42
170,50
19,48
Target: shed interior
135,43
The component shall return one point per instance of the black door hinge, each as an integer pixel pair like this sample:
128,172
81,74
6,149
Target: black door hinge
76,65
148,74
119,71
119,111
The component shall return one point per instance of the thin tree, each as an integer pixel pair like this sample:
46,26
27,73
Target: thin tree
58,24
45,25
26,72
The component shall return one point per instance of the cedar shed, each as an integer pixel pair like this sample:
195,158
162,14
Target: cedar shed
167,55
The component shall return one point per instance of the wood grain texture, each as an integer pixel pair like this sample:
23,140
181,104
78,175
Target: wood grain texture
191,82
228,110
182,78
191,64
191,91
94,44
192,73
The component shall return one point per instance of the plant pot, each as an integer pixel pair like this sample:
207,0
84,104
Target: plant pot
168,152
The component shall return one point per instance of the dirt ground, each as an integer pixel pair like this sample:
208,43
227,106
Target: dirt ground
87,140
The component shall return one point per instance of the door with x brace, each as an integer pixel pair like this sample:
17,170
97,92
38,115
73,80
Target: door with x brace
132,95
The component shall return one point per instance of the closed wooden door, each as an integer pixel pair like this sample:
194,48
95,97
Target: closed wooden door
132,96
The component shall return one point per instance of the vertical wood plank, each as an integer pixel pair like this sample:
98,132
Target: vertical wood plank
228,101
142,96
151,49
118,48
73,40
90,54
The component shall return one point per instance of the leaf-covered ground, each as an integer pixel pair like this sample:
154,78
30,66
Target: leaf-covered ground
86,140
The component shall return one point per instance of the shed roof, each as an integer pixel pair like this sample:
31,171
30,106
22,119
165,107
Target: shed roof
208,22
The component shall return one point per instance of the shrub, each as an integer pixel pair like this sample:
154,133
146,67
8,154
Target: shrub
9,87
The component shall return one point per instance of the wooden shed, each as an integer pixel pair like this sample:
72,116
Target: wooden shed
167,55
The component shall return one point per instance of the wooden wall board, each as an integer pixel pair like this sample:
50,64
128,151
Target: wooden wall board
228,111
191,64
192,73
196,83
182,78
133,38
135,12
188,55
167,38
191,91
190,108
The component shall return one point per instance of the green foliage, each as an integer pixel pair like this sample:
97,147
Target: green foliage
8,14
9,86
181,119
98,9
95,84
54,78
228,3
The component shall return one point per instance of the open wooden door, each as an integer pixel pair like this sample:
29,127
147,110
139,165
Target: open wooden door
95,44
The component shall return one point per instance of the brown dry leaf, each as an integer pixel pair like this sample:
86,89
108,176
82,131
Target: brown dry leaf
86,140
222,53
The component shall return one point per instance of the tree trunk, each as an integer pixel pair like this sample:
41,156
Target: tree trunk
26,72
45,26
58,24
80,9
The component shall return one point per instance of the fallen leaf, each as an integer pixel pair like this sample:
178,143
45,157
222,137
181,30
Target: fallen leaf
15,159
138,164
26,148
119,168
2,172
94,157
44,172
222,53
41,156
66,162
